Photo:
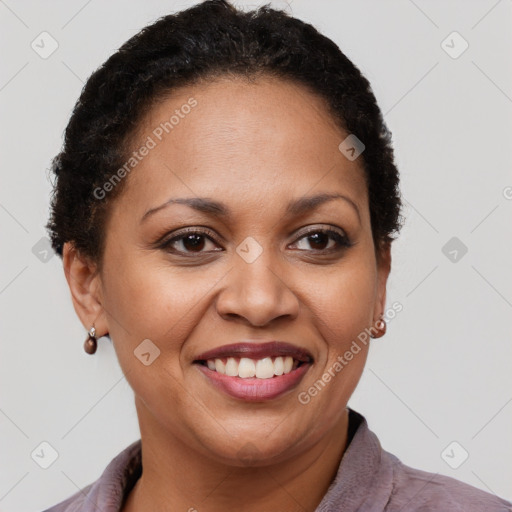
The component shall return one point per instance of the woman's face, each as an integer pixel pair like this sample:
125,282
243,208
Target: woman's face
244,153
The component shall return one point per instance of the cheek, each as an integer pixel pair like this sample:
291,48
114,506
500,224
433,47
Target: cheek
344,307
152,301
342,312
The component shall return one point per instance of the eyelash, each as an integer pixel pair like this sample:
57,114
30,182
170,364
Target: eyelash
343,240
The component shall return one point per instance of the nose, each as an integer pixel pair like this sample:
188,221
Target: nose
257,292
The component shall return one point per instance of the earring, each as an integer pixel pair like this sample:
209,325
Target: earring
90,344
381,327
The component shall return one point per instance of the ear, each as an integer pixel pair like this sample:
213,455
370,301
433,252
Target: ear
383,269
85,285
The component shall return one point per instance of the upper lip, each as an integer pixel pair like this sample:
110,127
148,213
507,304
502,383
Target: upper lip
257,350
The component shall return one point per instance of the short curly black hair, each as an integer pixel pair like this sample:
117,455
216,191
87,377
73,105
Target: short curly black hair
208,40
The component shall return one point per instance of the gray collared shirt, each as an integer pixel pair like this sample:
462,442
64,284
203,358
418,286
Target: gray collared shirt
369,479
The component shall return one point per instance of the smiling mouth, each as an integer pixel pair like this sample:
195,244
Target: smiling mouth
259,360
245,368
254,380
255,371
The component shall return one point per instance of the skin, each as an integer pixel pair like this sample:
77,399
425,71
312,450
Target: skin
253,146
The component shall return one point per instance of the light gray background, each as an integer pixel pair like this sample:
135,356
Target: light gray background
441,373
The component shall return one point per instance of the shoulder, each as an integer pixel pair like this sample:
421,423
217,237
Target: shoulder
371,479
422,491
109,490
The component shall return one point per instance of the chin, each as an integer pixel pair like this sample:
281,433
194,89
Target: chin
250,449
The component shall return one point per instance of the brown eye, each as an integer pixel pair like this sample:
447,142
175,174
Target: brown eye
190,242
319,240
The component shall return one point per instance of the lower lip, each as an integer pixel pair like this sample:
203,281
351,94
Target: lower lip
253,389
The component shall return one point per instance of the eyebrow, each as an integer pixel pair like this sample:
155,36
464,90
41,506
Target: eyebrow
217,209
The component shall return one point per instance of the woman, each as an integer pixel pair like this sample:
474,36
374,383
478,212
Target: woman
225,205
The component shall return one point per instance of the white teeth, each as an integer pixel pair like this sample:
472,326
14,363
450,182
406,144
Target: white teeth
220,366
246,368
264,368
288,364
232,367
278,366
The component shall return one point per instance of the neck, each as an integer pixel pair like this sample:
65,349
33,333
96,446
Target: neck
175,477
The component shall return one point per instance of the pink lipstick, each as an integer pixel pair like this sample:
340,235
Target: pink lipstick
254,371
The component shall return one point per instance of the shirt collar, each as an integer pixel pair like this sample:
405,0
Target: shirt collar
364,478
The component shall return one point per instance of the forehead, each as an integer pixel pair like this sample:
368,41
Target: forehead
264,141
